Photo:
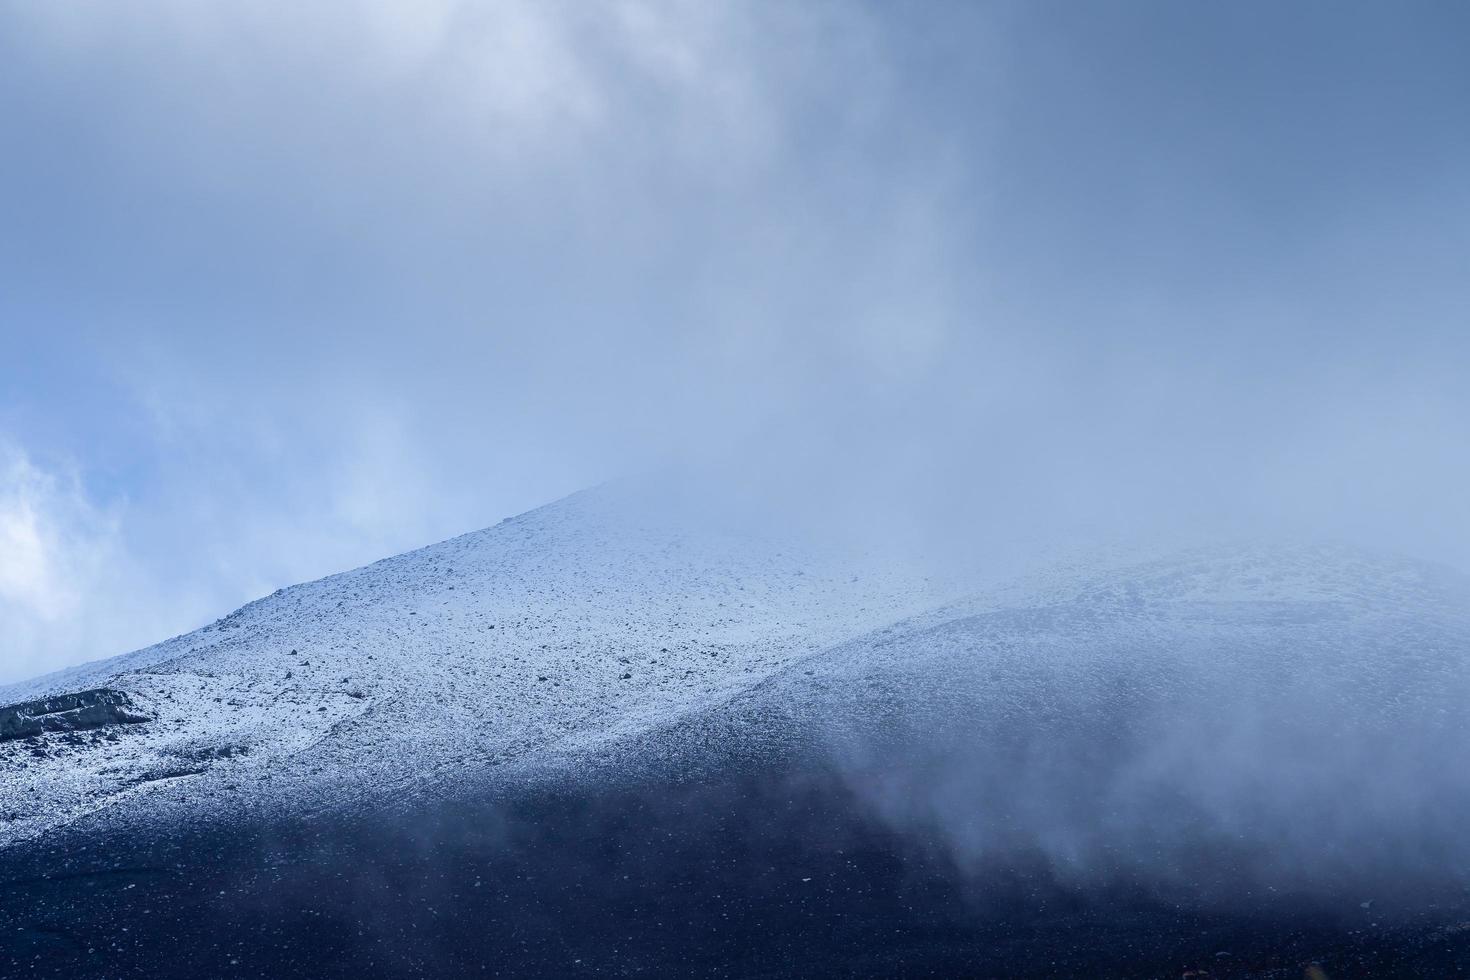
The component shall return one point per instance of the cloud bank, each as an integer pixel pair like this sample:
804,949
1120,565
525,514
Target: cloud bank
289,289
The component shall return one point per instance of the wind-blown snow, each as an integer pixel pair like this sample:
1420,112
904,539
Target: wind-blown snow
1298,717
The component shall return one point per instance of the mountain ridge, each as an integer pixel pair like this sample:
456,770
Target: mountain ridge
550,641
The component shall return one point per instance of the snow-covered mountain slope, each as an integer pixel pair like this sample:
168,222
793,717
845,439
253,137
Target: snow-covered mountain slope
594,637
551,632
1304,712
1104,765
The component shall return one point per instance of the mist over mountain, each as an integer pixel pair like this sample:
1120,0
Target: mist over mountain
1265,740
965,489
289,291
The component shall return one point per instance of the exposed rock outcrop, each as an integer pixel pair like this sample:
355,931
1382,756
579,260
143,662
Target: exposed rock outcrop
80,711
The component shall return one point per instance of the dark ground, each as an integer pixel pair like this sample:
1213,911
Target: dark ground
723,876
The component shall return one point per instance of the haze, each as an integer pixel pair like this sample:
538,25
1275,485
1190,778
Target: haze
287,289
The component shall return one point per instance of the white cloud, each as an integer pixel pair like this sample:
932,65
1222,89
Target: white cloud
311,283
50,539
73,585
67,592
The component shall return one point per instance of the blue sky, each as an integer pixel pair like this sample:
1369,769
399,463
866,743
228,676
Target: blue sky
286,288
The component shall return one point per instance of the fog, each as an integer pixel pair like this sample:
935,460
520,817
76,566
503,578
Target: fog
289,290
1257,757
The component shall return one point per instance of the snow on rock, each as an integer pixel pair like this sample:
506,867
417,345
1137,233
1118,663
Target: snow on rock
555,630
80,711
1308,707
560,638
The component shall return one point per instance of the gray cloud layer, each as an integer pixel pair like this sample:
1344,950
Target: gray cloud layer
292,288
